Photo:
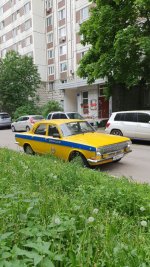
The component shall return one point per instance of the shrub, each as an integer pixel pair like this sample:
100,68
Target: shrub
28,109
51,106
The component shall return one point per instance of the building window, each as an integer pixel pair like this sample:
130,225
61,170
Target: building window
63,67
63,50
3,38
49,21
50,37
49,4
27,8
50,53
62,32
84,104
62,14
28,24
84,13
2,25
14,32
28,41
50,70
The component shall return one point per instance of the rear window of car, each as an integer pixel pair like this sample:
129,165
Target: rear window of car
4,116
75,116
119,117
38,117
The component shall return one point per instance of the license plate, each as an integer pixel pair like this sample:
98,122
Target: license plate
118,156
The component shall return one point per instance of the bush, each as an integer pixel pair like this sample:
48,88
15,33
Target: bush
28,109
51,106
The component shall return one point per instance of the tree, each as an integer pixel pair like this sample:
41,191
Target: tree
19,80
52,105
119,34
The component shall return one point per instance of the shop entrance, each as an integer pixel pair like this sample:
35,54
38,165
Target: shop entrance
103,108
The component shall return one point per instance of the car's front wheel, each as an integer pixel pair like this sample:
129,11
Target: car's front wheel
116,132
77,158
28,150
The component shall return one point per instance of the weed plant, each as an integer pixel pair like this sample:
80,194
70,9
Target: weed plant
59,214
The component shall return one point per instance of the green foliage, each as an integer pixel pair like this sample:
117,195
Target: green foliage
119,34
19,81
52,105
59,214
28,109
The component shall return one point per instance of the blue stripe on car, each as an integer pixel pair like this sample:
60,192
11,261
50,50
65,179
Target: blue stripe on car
56,141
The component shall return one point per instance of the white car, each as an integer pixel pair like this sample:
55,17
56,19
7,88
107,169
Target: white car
133,124
68,115
25,123
5,120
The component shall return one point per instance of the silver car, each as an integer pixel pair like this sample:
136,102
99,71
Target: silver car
5,120
25,123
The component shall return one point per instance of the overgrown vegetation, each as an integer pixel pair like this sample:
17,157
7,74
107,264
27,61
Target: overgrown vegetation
50,106
55,214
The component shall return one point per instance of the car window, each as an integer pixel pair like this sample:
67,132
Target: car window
25,118
52,130
143,117
49,116
4,116
132,117
63,116
119,117
41,129
56,116
74,115
73,128
38,117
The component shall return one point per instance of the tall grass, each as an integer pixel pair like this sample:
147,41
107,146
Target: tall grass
58,214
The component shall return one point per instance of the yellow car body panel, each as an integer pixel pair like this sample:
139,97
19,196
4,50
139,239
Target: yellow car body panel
88,144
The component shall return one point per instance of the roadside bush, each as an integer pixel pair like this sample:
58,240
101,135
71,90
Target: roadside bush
51,106
56,214
28,109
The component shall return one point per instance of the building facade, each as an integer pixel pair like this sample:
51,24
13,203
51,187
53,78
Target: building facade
48,30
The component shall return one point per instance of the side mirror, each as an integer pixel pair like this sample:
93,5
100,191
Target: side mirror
56,135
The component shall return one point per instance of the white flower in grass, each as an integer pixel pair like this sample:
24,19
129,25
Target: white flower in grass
95,211
142,209
144,223
57,221
55,177
90,219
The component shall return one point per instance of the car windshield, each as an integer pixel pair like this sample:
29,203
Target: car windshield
4,116
74,115
73,128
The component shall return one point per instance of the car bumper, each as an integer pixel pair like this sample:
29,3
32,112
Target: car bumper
108,157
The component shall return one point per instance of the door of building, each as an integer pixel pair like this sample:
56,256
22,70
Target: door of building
103,108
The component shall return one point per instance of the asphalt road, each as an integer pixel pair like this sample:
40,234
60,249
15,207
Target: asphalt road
135,165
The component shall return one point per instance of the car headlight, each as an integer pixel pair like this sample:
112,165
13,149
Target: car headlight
98,152
129,143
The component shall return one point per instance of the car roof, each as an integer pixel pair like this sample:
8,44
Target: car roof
52,112
133,111
59,121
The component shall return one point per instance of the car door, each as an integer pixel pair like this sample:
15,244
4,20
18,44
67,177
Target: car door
130,124
19,124
143,126
54,135
39,140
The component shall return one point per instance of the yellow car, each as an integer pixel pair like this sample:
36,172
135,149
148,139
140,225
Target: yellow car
68,139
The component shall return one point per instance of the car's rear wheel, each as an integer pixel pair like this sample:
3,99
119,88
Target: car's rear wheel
28,150
116,132
13,128
77,158
27,128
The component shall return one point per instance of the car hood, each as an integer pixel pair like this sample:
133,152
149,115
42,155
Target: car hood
96,139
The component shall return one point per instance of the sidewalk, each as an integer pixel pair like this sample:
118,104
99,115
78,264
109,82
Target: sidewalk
101,130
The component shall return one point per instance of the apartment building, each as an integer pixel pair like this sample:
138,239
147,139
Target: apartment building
64,51
48,30
22,28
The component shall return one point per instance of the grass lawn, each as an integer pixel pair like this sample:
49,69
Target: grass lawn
59,214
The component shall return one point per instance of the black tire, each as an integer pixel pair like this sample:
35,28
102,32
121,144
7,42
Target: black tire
13,128
79,159
28,150
116,132
27,128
